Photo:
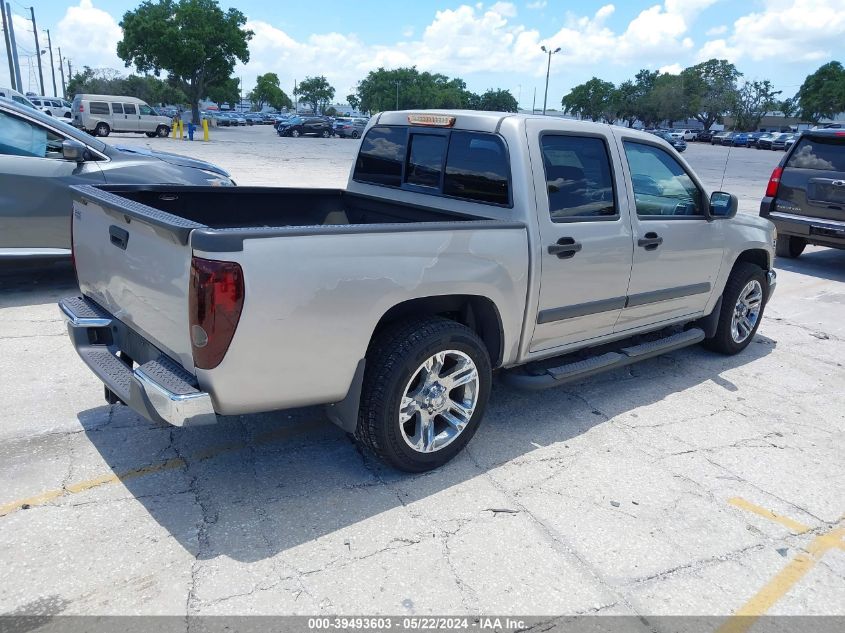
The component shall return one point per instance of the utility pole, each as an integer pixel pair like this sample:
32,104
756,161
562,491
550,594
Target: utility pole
295,99
397,94
14,48
534,102
548,68
37,51
52,65
69,71
62,71
8,45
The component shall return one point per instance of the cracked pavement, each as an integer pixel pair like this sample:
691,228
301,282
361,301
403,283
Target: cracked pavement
608,496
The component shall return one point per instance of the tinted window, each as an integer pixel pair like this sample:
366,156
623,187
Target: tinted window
145,109
117,108
477,168
661,186
578,177
23,138
824,154
98,107
425,160
129,108
381,155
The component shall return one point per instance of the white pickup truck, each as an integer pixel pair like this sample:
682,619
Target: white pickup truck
464,243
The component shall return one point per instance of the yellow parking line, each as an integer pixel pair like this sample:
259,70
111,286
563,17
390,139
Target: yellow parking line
794,526
169,464
745,617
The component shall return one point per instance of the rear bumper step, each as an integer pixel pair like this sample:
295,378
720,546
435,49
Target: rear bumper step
585,368
158,388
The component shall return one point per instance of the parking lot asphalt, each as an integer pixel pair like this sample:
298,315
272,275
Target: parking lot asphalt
688,484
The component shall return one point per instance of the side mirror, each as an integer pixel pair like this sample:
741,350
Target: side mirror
73,150
723,205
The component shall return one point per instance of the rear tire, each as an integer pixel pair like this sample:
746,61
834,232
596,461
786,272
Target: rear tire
102,129
162,131
295,133
150,134
402,360
355,134
326,134
789,246
737,324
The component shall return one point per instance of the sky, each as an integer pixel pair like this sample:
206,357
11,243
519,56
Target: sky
488,44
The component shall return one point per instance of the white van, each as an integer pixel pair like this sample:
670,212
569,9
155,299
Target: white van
101,115
54,106
17,97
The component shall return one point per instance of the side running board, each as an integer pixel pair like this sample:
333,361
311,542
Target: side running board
585,368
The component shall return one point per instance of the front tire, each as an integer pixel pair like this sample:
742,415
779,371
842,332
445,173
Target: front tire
162,131
743,302
102,129
425,389
326,134
789,246
295,133
150,134
355,134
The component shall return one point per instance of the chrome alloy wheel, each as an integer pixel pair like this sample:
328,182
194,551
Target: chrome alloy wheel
747,311
439,401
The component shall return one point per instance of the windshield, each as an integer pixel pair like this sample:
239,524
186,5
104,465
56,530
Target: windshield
295,120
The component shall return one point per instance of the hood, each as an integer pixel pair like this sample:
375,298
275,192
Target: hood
173,159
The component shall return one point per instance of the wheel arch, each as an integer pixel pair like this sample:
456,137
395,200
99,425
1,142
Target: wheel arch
757,256
479,313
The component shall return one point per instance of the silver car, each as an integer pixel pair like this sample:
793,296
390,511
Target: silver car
41,157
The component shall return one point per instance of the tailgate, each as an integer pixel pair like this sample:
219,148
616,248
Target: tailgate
135,261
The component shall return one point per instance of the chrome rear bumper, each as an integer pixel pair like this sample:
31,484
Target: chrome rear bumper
158,387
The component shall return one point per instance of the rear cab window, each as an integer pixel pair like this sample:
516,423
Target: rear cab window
460,164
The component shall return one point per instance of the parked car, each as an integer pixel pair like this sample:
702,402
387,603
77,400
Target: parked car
268,119
738,139
753,137
791,141
101,115
53,106
305,126
349,128
393,300
704,136
42,156
253,118
13,95
687,135
677,142
721,138
765,142
805,197
779,142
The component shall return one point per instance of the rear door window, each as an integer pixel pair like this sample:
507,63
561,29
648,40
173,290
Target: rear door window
129,108
578,178
117,108
98,107
822,154
477,168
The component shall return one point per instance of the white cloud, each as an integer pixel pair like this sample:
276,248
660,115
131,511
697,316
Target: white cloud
89,37
538,4
717,30
794,30
507,9
671,69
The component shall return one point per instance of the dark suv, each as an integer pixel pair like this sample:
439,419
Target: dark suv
806,193
301,126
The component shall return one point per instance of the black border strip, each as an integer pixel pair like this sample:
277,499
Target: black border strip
655,296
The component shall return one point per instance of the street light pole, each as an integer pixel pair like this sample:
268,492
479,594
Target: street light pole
548,68
52,65
62,71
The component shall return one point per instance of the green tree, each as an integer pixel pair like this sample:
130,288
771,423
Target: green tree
822,95
711,90
668,99
591,100
626,101
381,90
316,92
788,107
754,99
268,92
195,41
495,101
108,81
353,101
330,111
225,91
646,108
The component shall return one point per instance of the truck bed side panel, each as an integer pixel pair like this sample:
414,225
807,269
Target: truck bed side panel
313,301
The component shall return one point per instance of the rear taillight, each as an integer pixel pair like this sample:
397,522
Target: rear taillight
81,108
215,304
774,183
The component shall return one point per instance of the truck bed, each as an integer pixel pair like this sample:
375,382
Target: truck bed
267,207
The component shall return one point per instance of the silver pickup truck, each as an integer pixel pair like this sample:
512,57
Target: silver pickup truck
465,243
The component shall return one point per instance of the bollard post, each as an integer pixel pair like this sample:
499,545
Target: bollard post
205,129
175,127
181,130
